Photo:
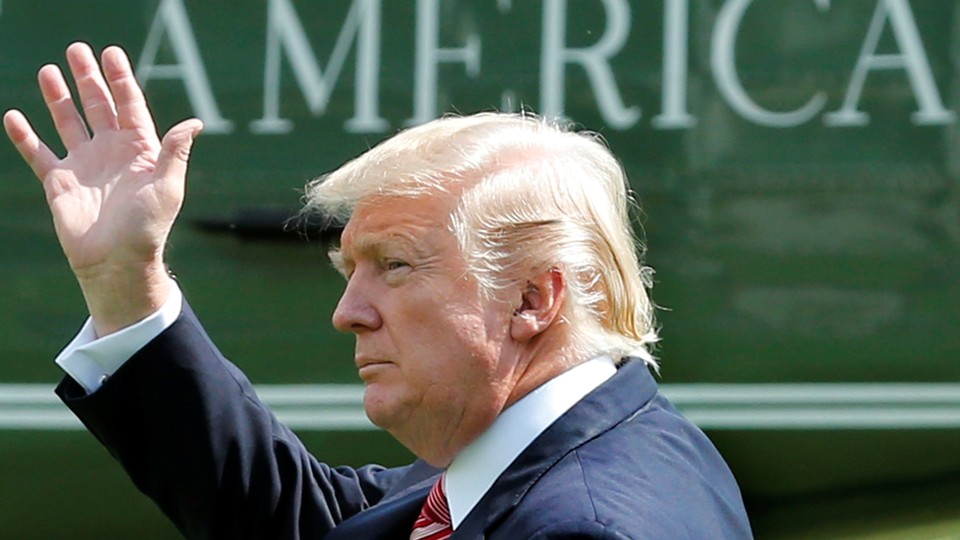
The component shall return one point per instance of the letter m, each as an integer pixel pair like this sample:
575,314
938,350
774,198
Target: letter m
285,35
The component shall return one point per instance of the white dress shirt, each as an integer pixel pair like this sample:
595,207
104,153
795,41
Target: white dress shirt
90,361
478,465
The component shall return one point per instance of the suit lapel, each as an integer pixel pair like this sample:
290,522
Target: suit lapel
623,395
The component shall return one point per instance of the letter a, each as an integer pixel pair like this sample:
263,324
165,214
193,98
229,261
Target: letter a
172,17
913,59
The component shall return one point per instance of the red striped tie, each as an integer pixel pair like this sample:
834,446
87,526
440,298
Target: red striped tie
434,520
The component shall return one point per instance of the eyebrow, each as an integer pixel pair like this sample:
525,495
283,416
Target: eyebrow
373,246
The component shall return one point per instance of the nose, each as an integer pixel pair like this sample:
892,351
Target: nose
354,311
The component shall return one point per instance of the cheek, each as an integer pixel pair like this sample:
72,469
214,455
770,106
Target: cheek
472,332
478,351
445,352
451,334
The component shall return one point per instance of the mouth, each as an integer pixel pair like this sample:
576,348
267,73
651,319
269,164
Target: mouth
362,360
370,365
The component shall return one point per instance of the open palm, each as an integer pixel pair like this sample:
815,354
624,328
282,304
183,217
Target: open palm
116,194
109,203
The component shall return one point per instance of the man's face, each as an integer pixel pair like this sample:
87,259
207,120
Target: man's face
429,346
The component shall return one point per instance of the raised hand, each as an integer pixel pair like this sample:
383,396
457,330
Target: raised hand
116,194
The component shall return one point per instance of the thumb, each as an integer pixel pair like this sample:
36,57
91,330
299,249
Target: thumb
175,148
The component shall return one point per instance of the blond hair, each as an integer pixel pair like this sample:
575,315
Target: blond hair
533,196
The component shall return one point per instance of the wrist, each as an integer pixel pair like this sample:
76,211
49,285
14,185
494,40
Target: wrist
120,296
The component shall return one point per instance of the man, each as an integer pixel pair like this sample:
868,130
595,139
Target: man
501,323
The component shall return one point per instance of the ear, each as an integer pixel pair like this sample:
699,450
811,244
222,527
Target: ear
540,303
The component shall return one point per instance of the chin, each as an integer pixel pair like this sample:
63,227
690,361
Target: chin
380,409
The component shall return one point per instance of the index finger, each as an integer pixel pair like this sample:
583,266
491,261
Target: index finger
132,110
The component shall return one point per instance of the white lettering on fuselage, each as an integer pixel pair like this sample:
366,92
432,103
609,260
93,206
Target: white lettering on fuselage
361,30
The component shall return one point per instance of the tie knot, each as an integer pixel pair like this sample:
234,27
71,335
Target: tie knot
434,520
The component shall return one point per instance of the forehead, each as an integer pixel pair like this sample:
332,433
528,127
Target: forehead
382,221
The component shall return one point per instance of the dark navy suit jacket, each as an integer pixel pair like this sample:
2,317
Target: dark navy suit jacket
189,430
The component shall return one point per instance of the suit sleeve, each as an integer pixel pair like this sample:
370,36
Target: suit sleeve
191,433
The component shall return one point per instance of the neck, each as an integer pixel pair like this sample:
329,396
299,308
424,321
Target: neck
540,360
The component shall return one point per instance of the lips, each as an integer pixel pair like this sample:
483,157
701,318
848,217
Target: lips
368,365
364,361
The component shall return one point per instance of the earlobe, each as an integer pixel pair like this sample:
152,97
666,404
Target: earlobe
523,326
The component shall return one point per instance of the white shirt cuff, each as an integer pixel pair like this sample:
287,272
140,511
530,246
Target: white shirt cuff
90,360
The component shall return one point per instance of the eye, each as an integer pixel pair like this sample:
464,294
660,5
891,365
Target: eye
394,264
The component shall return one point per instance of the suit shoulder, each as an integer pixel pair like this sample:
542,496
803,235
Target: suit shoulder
655,475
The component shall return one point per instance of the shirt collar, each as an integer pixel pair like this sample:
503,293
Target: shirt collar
478,465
